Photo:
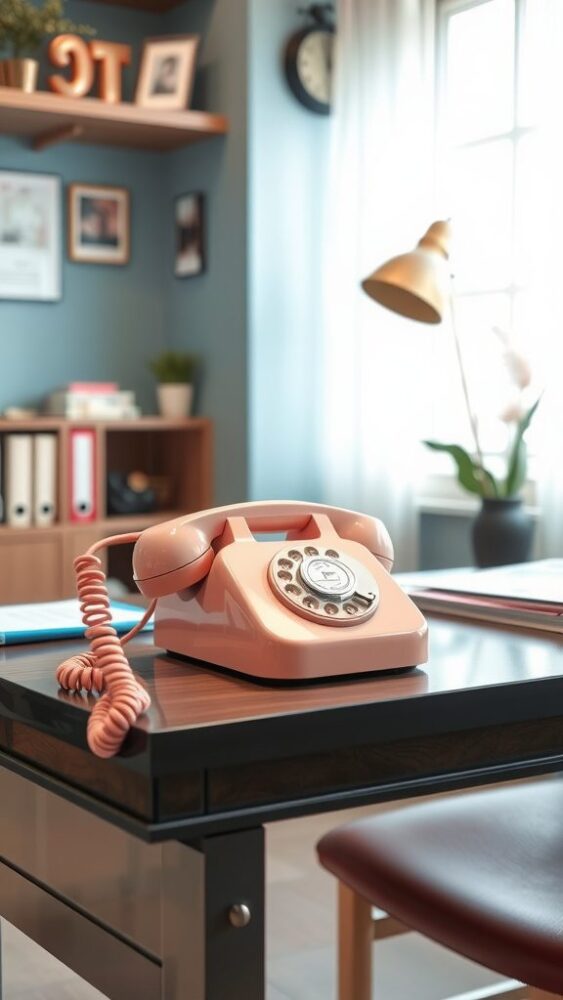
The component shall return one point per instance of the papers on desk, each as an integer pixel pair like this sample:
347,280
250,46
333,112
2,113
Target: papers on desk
57,620
526,594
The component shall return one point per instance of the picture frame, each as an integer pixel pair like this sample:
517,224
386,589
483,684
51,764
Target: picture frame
98,224
167,71
189,220
30,236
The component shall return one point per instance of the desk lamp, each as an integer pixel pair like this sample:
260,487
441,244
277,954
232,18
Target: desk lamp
416,284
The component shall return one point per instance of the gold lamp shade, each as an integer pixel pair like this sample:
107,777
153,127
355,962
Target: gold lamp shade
416,284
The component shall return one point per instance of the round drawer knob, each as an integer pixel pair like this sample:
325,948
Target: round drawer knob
240,915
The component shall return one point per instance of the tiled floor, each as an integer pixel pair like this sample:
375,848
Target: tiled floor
301,934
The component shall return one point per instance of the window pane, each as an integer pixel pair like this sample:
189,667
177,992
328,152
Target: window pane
480,71
533,217
540,74
478,197
475,317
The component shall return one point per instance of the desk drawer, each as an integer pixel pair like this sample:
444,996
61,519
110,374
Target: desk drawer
113,876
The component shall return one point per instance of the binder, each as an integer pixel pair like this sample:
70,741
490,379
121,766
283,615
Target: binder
18,476
44,478
82,475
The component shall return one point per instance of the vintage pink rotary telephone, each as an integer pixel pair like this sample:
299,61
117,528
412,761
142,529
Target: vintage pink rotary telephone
319,604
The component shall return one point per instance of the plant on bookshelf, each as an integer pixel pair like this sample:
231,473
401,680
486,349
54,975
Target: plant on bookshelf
23,27
174,373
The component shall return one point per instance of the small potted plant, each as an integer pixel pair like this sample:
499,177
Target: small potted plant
502,531
174,373
23,27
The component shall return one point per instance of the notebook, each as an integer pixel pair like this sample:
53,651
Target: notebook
57,620
526,594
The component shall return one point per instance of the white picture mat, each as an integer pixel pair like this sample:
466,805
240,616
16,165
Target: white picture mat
30,236
182,49
98,252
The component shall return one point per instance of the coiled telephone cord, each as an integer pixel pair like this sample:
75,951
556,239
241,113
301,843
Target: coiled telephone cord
105,669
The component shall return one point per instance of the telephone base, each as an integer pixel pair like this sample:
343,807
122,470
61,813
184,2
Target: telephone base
287,682
236,617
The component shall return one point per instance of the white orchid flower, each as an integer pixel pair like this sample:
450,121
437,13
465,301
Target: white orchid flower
513,412
517,364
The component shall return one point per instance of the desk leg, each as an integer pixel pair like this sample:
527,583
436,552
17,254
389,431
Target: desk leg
209,950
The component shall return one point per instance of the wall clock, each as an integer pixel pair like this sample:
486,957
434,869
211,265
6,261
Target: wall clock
308,60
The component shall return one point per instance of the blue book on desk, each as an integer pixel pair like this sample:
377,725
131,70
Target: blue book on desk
58,620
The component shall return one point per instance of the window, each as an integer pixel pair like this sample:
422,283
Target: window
491,180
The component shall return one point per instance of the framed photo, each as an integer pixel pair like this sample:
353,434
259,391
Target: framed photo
190,250
98,224
30,236
167,70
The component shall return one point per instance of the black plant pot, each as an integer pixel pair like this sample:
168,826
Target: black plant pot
502,532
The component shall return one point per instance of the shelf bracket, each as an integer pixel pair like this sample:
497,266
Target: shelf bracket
63,133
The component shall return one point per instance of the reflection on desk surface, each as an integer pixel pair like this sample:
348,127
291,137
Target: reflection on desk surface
463,655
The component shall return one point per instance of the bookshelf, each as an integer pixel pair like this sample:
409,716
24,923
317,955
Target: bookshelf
45,119
37,562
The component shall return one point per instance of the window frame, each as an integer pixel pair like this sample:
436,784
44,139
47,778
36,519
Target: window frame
439,491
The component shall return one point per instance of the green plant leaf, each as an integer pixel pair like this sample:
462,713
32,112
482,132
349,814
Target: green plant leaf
470,475
518,460
172,366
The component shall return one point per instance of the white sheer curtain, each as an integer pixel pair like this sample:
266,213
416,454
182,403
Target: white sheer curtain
379,204
546,312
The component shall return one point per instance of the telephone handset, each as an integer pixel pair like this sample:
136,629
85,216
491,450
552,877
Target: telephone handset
269,609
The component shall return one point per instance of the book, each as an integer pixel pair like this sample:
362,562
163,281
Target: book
22,623
524,594
91,387
87,405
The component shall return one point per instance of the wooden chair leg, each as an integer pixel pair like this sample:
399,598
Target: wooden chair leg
355,941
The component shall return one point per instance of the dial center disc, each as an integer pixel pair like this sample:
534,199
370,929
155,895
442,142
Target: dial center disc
327,576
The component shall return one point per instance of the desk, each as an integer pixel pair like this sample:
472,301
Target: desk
127,869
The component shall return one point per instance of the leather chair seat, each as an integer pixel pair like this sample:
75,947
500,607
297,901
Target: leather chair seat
480,873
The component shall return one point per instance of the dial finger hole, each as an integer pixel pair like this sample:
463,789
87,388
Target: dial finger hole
311,602
350,609
331,609
310,550
292,589
332,553
295,554
284,575
285,563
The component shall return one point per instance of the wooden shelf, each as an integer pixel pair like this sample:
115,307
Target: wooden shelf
148,423
37,561
107,525
137,522
156,6
46,118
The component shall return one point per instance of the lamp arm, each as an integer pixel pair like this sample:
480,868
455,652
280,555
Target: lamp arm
465,387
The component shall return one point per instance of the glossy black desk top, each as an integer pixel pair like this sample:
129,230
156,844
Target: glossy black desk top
215,743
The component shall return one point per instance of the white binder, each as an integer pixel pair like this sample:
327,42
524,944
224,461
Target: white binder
82,475
44,478
18,476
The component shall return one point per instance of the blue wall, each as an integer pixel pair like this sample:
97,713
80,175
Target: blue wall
110,319
208,314
288,155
